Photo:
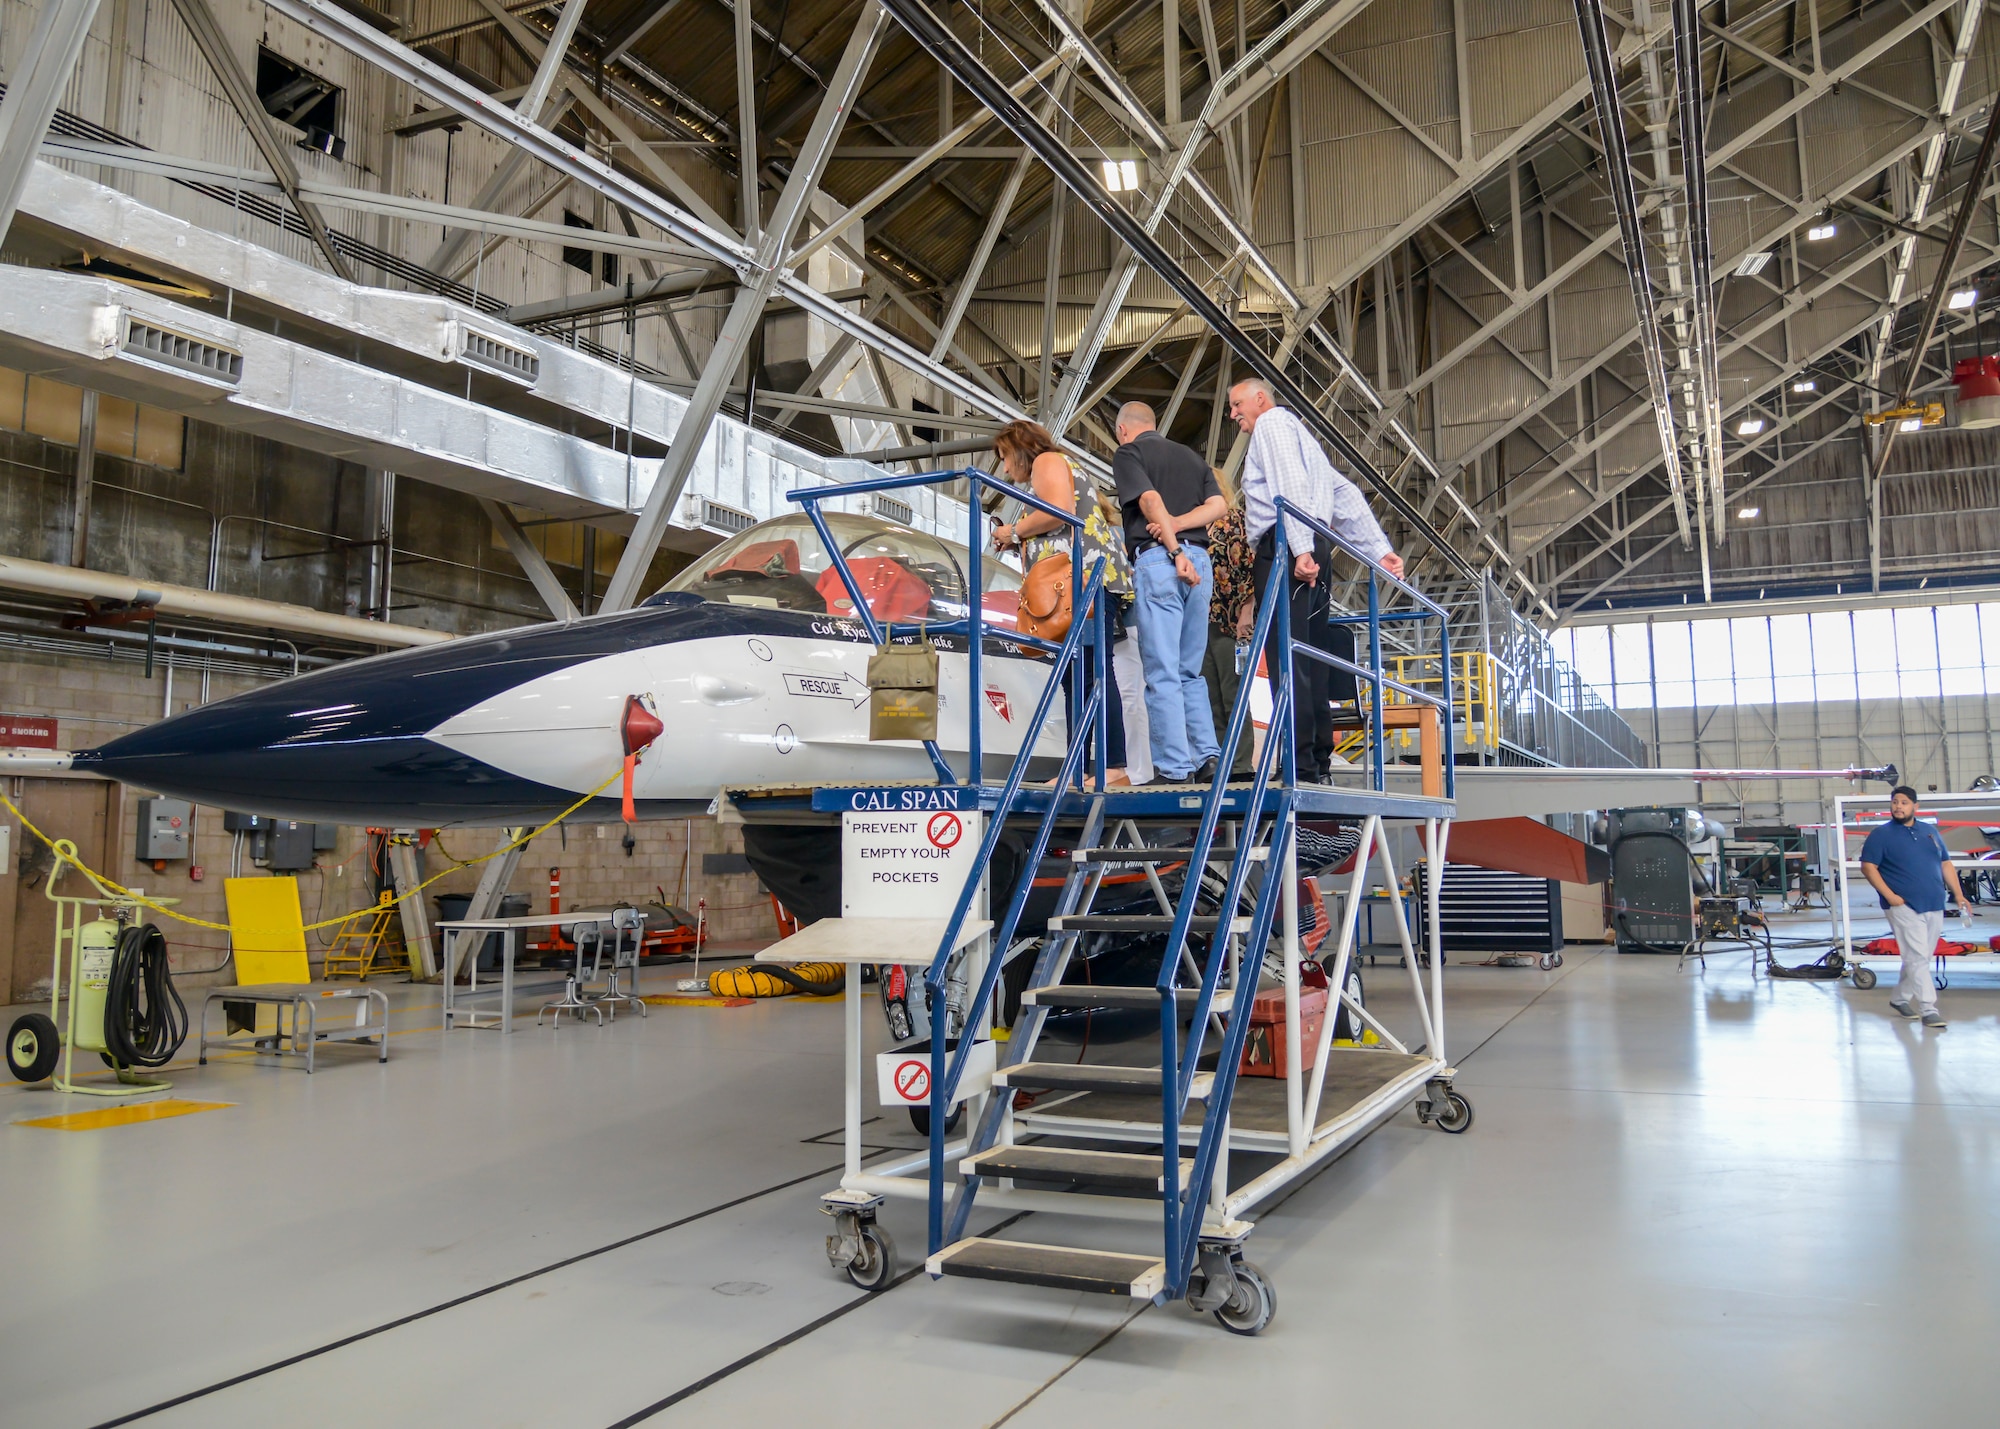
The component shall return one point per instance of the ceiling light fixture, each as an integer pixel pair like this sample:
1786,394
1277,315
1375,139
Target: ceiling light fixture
1963,299
1910,424
1121,176
1749,426
1748,513
1805,384
1819,233
1753,263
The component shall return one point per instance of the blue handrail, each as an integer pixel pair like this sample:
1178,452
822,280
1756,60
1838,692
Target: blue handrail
1090,729
1378,681
946,1074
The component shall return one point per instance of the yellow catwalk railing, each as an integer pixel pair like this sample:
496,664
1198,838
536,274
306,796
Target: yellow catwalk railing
1474,687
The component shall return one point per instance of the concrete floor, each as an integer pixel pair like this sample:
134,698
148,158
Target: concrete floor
1688,1197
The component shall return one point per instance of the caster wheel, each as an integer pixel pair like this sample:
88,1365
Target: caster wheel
1864,978
32,1047
1252,1302
1457,1115
875,1267
1547,962
920,1118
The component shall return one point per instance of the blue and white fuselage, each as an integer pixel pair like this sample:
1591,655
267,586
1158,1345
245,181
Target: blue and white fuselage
513,727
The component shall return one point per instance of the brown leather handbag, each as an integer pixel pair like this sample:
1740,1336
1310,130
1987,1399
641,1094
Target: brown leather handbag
1045,599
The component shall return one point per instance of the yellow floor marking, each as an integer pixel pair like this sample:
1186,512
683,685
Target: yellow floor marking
124,1115
667,999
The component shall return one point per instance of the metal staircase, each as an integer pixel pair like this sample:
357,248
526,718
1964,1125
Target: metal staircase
1202,969
1233,847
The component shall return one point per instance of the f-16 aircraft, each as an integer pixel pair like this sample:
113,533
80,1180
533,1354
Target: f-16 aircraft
747,668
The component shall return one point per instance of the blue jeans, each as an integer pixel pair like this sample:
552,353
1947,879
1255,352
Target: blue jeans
1114,707
1173,635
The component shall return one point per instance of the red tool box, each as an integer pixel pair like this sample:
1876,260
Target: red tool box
1264,1048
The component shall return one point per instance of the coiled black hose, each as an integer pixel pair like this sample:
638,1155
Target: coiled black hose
145,1020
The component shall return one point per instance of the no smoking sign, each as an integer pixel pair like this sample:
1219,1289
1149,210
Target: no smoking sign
903,1076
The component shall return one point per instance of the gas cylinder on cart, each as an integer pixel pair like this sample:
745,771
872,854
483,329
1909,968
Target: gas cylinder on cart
96,947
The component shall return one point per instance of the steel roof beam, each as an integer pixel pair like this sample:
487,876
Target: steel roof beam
946,48
1757,395
34,90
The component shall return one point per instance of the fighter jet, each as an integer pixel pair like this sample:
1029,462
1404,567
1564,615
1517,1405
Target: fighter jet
749,667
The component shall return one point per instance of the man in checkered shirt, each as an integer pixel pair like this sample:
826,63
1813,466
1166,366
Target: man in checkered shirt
1285,461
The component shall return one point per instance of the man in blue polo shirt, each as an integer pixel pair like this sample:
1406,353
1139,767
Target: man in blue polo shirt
1910,867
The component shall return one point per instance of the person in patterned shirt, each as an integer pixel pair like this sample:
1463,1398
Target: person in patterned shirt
1231,617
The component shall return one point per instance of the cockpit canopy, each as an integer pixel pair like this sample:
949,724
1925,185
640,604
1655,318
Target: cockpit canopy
904,575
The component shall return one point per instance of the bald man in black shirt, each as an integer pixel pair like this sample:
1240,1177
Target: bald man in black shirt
1169,496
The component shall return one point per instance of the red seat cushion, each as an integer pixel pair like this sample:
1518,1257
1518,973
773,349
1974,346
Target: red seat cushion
892,592
762,558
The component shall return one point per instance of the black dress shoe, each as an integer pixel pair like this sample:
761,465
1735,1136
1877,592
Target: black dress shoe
1205,774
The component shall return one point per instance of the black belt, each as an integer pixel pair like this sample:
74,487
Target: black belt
1149,544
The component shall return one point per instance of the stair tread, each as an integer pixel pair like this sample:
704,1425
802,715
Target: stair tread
1139,923
1156,854
1140,999
1056,1267
1091,1077
1072,1165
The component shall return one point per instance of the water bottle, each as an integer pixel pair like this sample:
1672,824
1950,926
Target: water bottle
1242,658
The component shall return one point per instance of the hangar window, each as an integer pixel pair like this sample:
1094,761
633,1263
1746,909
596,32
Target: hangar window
782,565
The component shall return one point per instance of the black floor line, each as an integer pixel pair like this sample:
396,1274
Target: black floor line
699,1385
1049,1383
688,1391
454,1303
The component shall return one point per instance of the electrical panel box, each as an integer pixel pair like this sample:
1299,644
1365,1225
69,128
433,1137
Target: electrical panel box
288,846
165,827
283,845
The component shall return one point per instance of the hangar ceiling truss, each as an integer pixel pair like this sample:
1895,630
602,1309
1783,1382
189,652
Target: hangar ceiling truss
1557,325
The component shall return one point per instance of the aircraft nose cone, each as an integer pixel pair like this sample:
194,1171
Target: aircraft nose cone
289,752
344,745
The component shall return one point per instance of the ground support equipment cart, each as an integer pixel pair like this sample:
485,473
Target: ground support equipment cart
1208,940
